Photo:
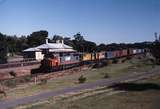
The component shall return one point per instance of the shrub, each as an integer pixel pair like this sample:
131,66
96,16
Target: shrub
98,65
158,61
43,81
27,78
24,79
35,71
109,62
155,50
12,73
139,57
20,80
82,79
105,62
151,60
106,76
123,60
115,61
10,83
129,58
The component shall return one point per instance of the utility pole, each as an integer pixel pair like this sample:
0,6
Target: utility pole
156,37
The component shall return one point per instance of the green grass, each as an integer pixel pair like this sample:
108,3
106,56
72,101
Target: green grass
113,70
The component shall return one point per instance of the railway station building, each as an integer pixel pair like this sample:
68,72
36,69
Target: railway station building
39,51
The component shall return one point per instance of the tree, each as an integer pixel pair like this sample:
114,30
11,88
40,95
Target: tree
81,45
57,37
78,42
11,44
78,37
3,49
101,47
68,41
89,46
155,50
37,38
22,43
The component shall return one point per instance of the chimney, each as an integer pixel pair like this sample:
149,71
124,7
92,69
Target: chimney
57,41
156,37
46,40
62,41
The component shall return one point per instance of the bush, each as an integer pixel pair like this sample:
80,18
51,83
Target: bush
82,79
129,58
151,60
115,61
100,64
35,71
158,61
155,50
123,60
139,57
43,81
12,73
10,83
105,62
27,78
106,76
24,79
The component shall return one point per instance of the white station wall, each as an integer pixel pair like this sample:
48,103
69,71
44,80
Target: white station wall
39,55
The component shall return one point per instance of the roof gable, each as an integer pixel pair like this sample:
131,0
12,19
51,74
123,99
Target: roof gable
31,49
54,46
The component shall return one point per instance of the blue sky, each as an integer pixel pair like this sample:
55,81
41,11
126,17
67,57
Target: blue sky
102,21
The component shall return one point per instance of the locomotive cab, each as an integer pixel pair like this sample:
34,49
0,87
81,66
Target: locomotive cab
51,60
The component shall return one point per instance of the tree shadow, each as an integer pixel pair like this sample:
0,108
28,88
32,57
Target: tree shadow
135,86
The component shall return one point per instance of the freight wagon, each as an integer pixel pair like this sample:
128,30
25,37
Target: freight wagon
130,51
124,53
100,55
68,60
109,55
86,57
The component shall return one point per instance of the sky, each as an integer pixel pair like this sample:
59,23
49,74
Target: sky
101,21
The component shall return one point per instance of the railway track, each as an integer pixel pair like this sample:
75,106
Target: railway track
18,64
100,83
